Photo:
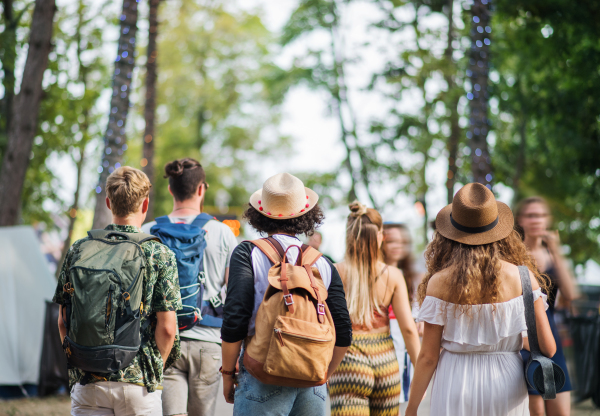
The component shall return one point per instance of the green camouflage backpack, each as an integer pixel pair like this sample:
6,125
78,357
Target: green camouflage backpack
104,309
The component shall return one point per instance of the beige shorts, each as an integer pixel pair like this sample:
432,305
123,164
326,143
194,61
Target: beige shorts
111,398
191,385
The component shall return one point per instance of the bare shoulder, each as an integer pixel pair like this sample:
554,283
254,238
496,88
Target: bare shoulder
511,281
395,273
436,287
394,276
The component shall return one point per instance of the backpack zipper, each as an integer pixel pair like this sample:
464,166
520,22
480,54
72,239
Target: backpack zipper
279,333
108,307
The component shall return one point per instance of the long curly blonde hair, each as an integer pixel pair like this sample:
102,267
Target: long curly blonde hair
475,269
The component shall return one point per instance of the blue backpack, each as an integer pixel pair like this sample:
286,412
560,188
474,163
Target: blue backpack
188,243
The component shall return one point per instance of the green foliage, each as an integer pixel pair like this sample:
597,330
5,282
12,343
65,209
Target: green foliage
547,57
218,98
68,121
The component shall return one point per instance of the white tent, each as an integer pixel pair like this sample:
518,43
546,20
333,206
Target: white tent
25,284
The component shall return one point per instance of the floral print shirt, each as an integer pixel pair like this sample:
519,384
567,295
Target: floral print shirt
160,293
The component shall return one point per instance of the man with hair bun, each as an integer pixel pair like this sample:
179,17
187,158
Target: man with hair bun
191,385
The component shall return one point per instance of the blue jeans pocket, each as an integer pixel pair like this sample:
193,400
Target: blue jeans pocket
321,391
257,391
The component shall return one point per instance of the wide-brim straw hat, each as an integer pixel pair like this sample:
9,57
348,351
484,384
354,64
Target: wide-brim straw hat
284,196
475,217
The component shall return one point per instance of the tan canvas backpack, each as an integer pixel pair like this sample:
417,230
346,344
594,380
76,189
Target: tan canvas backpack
295,337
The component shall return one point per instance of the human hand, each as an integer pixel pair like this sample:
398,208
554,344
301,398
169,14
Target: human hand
552,240
420,328
228,388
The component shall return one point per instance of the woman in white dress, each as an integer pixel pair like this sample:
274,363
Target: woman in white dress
472,305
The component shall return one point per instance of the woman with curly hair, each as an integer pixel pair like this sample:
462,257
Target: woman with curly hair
472,305
282,210
367,382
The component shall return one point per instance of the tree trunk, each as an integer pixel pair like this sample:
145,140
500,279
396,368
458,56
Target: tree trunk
520,159
8,57
150,108
73,211
25,113
478,73
453,98
115,141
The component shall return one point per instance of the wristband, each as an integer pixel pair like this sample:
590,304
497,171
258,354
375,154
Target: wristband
227,373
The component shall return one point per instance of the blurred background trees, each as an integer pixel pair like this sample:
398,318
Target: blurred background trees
222,78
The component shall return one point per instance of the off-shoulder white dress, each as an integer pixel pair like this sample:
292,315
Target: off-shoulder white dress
480,371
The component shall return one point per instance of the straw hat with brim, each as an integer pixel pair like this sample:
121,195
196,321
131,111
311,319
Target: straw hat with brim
475,217
284,196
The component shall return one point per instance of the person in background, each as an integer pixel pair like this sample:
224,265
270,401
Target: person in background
533,216
367,382
397,251
315,242
471,301
191,386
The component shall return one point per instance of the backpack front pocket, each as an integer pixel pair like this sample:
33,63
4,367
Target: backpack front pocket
299,349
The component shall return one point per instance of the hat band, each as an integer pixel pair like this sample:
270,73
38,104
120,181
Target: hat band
474,230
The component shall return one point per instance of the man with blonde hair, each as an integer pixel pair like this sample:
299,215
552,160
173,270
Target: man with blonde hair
119,293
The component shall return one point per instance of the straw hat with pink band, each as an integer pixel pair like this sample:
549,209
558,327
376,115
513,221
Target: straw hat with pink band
284,196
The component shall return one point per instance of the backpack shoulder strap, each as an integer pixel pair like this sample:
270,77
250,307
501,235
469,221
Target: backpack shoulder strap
276,245
310,255
201,220
143,237
268,249
97,234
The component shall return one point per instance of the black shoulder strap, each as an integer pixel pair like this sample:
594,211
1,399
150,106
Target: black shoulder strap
534,346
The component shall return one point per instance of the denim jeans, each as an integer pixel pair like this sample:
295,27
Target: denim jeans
255,398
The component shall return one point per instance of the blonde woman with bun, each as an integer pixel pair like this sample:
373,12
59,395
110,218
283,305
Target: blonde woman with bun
367,382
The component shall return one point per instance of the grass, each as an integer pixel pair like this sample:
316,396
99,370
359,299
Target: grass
47,406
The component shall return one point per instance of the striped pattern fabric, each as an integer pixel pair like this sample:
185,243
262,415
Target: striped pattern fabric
367,382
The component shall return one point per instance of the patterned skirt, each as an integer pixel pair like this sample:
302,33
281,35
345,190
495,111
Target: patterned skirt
367,382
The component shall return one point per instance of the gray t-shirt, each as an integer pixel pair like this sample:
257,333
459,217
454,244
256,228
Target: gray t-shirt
220,243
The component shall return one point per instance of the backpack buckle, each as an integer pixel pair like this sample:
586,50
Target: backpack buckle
68,288
320,309
126,296
288,297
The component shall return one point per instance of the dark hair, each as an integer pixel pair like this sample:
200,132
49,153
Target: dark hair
305,224
407,264
184,177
